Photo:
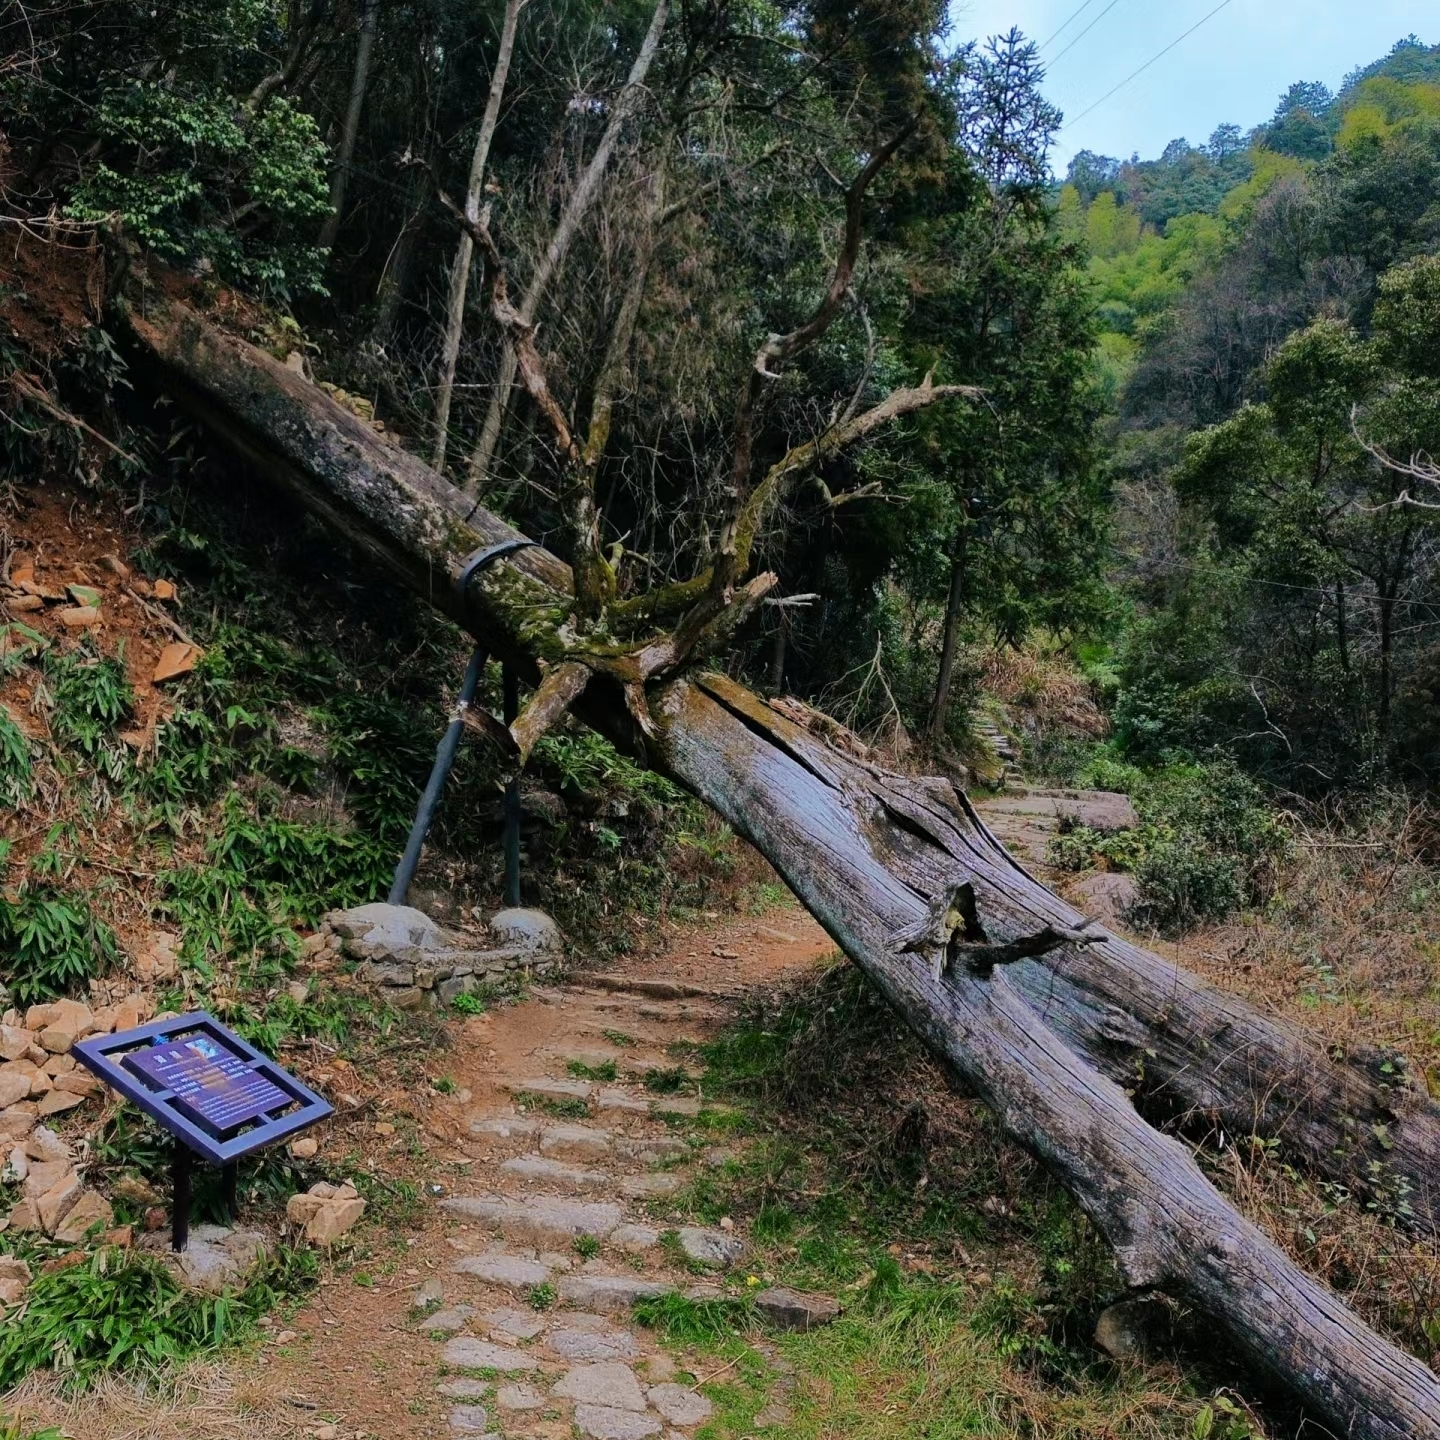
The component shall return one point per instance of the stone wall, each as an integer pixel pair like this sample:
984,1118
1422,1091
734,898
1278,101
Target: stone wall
415,961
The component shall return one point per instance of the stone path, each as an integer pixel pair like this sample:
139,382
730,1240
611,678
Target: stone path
524,1326
571,1218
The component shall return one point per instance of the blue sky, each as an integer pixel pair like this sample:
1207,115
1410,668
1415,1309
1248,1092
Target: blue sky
1231,70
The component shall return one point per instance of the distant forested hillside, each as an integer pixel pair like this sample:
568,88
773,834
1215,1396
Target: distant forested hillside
1270,316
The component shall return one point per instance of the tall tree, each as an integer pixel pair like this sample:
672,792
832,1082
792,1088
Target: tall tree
465,246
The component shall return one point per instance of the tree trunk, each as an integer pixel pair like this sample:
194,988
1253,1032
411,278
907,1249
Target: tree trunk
395,277
351,128
460,270
887,863
954,604
577,206
778,646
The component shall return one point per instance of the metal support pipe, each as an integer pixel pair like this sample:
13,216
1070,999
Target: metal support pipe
180,1168
439,773
512,799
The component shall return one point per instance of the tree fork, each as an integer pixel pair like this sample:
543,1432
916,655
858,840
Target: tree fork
869,853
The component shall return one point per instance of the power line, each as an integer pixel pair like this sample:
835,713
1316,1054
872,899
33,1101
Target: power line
1067,24
1084,32
1136,74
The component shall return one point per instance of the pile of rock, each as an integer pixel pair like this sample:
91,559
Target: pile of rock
412,959
38,1074
326,1211
53,1199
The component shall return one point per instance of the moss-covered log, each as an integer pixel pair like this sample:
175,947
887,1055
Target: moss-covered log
911,885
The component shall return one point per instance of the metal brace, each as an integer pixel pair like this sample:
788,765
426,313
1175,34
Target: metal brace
487,555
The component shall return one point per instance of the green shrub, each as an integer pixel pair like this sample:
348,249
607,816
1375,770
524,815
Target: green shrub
178,157
50,942
125,1312
119,1312
1215,847
14,762
1208,844
91,696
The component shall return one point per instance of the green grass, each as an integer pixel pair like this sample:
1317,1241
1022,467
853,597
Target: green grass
868,1181
668,1081
561,1107
604,1073
125,1312
679,1321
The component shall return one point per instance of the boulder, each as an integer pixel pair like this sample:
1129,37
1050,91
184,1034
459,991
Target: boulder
56,1101
215,1258
392,927
56,1203
532,931
1133,1329
1106,897
43,1175
790,1310
14,1086
14,1277
88,1212
711,1247
333,1220
45,1144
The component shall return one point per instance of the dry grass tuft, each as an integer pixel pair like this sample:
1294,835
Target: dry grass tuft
207,1400
1041,690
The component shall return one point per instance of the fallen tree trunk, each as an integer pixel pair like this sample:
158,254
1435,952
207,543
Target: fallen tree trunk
998,976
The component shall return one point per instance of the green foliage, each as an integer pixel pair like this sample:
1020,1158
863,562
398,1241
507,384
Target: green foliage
91,694
1208,843
50,942
124,1312
14,762
605,1072
669,1081
183,163
679,1321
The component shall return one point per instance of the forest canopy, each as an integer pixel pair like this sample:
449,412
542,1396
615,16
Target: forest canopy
1149,480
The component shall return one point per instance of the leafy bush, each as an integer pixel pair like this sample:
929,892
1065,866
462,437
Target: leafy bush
50,942
126,1312
14,762
91,695
174,158
1207,846
1214,849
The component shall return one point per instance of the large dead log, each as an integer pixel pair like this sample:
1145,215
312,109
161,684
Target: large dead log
999,977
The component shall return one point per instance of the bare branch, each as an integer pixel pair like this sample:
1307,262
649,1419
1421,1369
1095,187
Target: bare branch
767,494
460,270
576,208
520,333
1419,467
558,691
780,349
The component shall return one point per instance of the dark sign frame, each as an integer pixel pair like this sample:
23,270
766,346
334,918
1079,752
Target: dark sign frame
239,1068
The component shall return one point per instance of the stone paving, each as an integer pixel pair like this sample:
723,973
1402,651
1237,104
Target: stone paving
531,1327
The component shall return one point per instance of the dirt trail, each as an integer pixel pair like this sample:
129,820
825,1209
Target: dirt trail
528,1158
517,1162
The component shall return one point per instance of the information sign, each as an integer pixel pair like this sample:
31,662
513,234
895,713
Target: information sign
221,1096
